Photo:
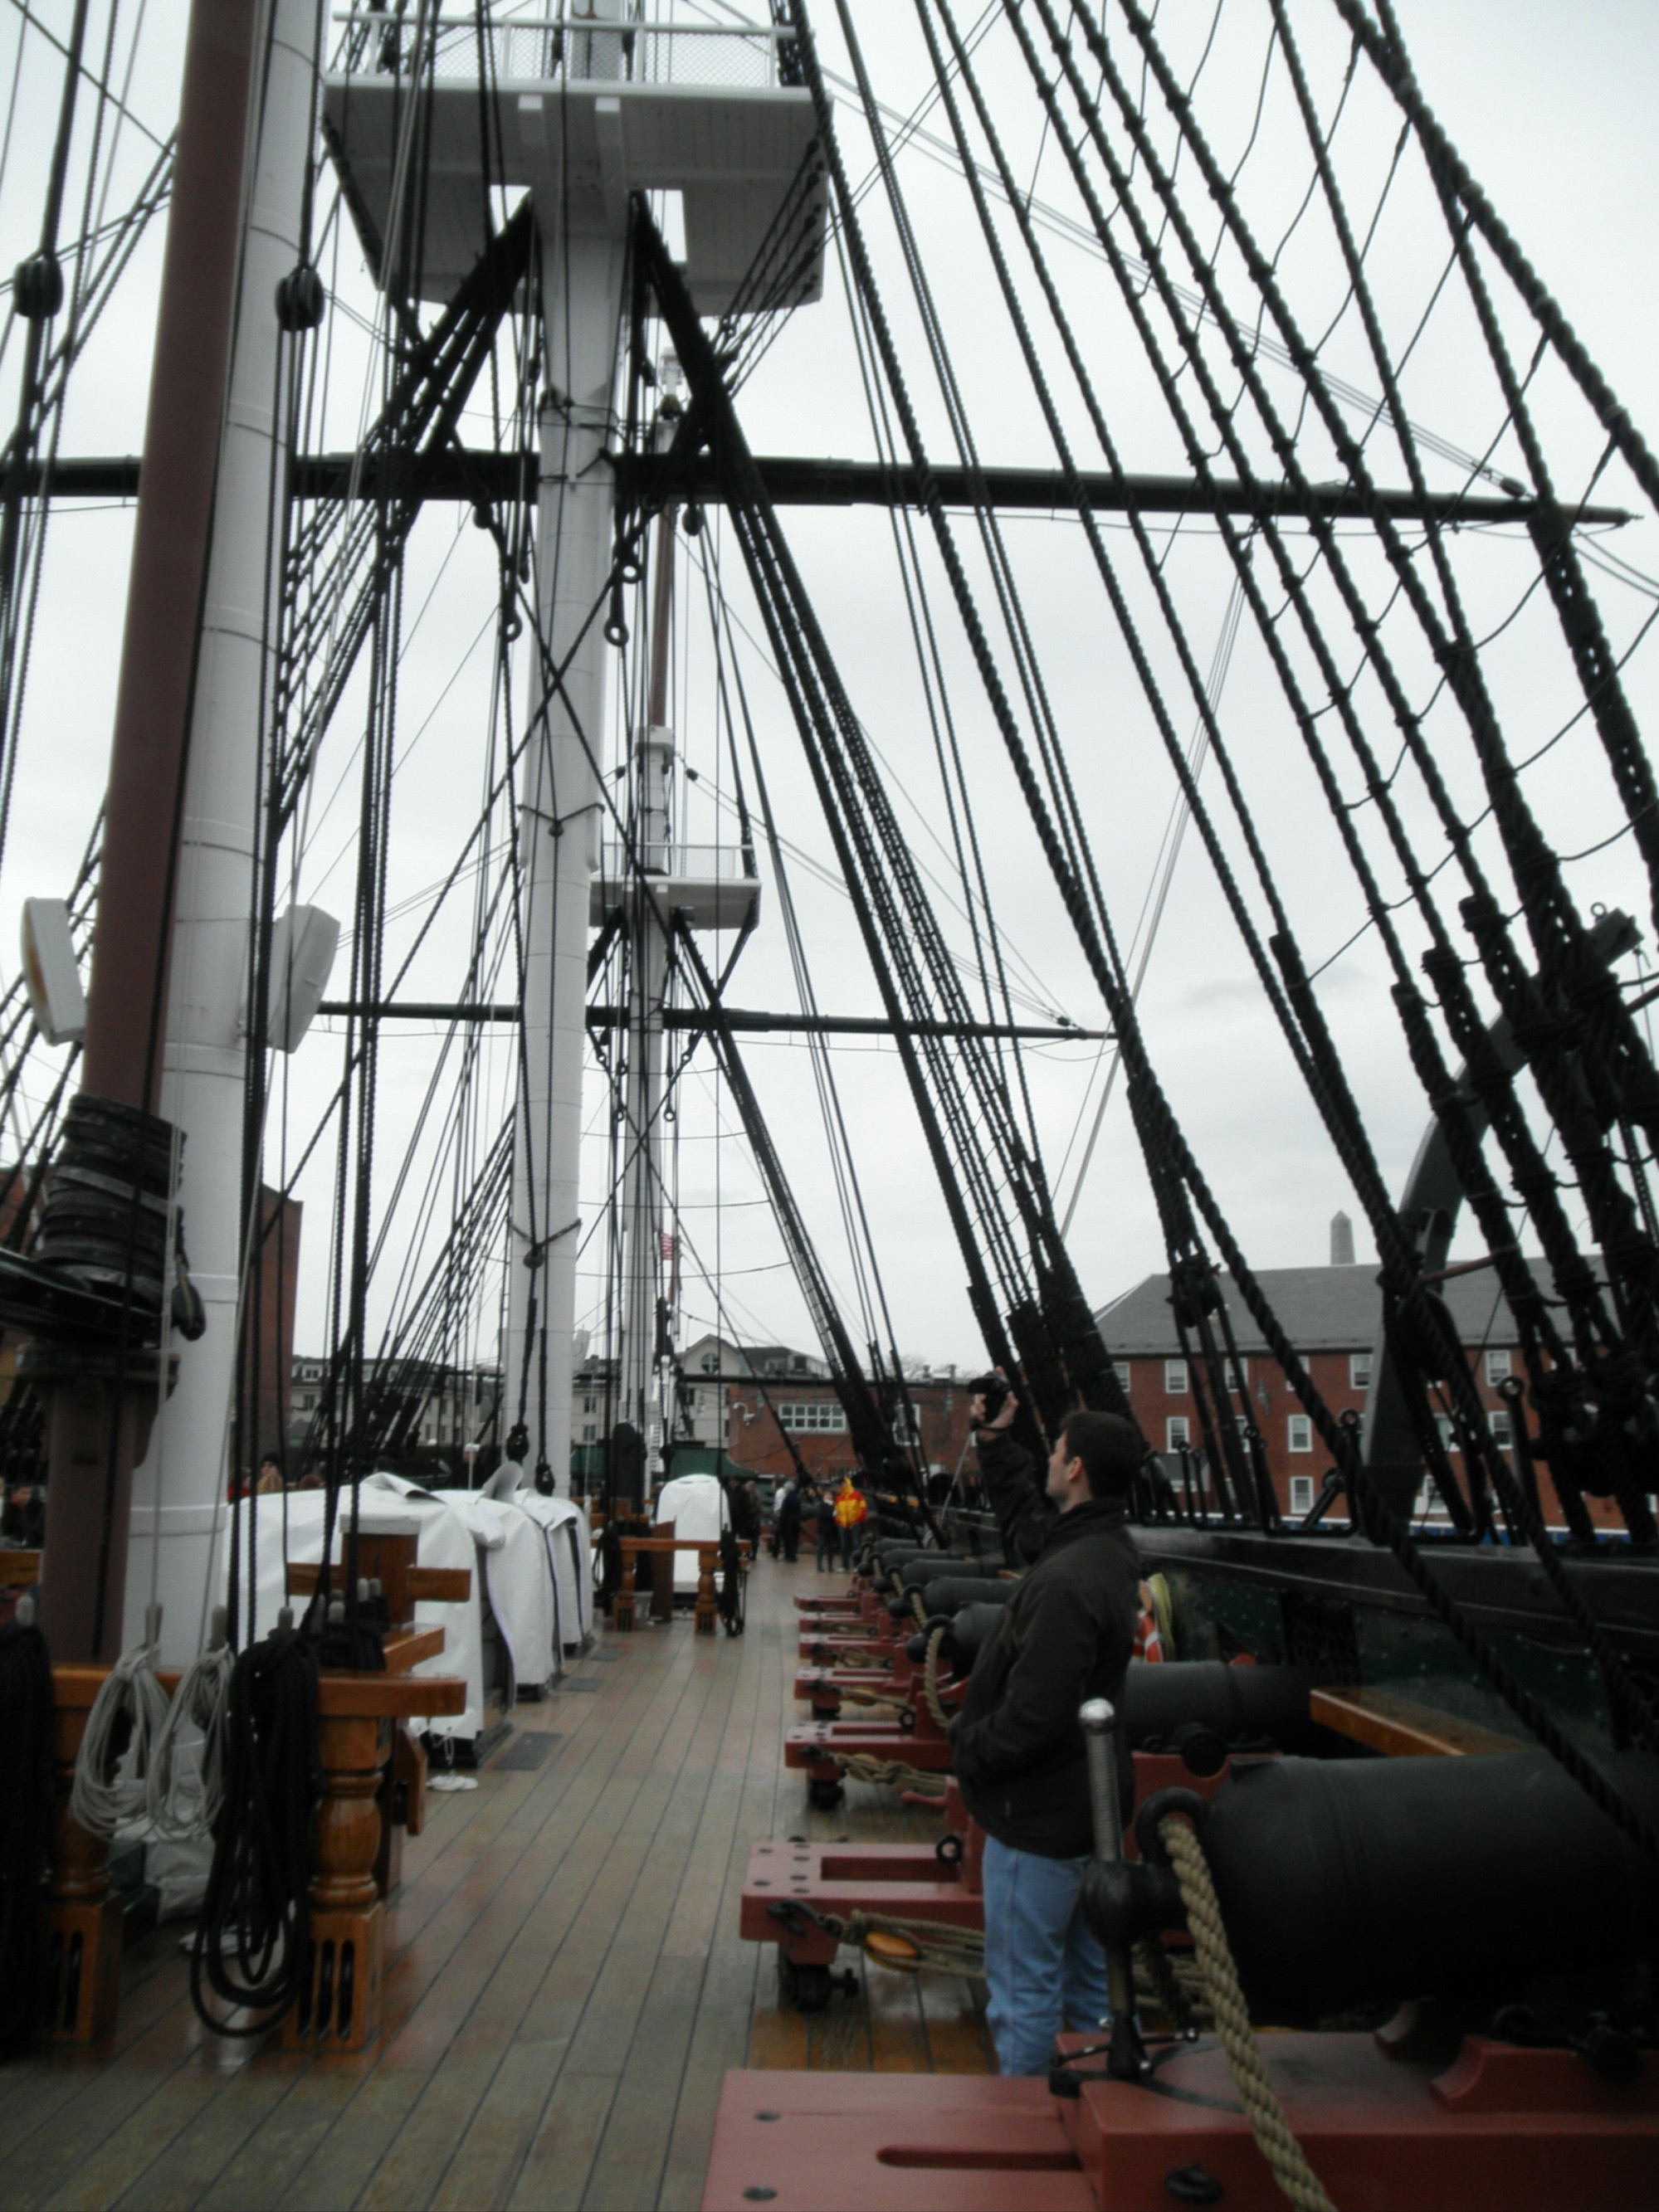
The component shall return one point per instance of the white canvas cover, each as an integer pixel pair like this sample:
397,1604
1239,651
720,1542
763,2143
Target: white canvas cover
696,1505
515,1554
387,1502
570,1545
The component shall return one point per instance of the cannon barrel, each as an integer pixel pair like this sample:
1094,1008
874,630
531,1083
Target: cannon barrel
1352,1882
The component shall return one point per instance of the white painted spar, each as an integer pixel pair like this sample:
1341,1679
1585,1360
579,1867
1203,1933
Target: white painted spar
178,1491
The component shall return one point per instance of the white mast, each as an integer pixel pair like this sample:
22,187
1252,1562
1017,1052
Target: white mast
179,1488
587,115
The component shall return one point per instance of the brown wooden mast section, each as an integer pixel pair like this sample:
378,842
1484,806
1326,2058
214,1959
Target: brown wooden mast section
101,1408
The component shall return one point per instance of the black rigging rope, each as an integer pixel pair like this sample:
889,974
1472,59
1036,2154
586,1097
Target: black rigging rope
25,1812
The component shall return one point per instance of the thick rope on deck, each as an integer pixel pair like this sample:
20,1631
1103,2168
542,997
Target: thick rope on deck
183,1806
1171,1984
1272,2130
878,1706
890,1774
930,1679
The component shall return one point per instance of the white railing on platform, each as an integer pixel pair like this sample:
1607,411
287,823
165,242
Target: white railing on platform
545,50
721,864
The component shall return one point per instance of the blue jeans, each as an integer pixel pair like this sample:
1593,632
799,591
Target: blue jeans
1045,1970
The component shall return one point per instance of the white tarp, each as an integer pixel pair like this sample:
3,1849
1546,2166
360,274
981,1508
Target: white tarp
696,1505
387,1502
571,1555
521,1594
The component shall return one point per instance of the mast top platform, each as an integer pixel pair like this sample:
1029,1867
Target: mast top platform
582,117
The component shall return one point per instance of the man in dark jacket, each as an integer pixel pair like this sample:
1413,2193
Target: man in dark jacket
786,1519
1019,1752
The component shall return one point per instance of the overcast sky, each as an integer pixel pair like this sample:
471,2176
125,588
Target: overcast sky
1552,107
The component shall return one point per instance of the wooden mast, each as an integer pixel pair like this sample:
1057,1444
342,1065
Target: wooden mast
99,1411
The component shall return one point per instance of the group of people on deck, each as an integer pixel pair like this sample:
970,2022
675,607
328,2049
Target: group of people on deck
834,1520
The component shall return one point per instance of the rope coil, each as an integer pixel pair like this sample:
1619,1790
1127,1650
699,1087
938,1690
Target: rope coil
930,1678
182,1807
891,1774
100,1798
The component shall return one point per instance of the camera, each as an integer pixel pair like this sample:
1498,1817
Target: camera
994,1389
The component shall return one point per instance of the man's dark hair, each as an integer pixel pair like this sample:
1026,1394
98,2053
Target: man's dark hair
1110,1448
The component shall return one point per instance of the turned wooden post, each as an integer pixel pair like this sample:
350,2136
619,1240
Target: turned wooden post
83,1915
622,1609
706,1612
338,2007
340,2000
662,1557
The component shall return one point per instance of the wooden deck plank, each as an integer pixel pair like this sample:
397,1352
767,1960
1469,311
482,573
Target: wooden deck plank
466,2051
777,2041
554,2175
144,2133
35,2169
503,2127
435,1982
195,2157
958,2041
898,2041
726,2004
339,2168
268,2162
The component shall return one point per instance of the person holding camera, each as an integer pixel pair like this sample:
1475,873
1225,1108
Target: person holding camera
1017,1749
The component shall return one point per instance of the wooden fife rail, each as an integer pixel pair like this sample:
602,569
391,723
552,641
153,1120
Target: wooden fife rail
706,1612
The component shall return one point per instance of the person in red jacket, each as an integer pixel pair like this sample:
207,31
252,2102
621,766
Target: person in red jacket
850,1510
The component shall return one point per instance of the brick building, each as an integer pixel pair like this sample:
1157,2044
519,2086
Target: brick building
745,1396
1332,1314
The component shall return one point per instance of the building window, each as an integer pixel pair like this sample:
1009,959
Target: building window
1175,1378
587,1405
1120,1368
1430,1501
1498,1368
1175,1432
711,1363
590,1433
1302,1495
1448,1433
1298,1438
822,1415
1239,1376
1501,1434
1359,1370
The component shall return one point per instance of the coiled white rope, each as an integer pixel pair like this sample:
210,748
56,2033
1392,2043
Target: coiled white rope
100,1799
182,1806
